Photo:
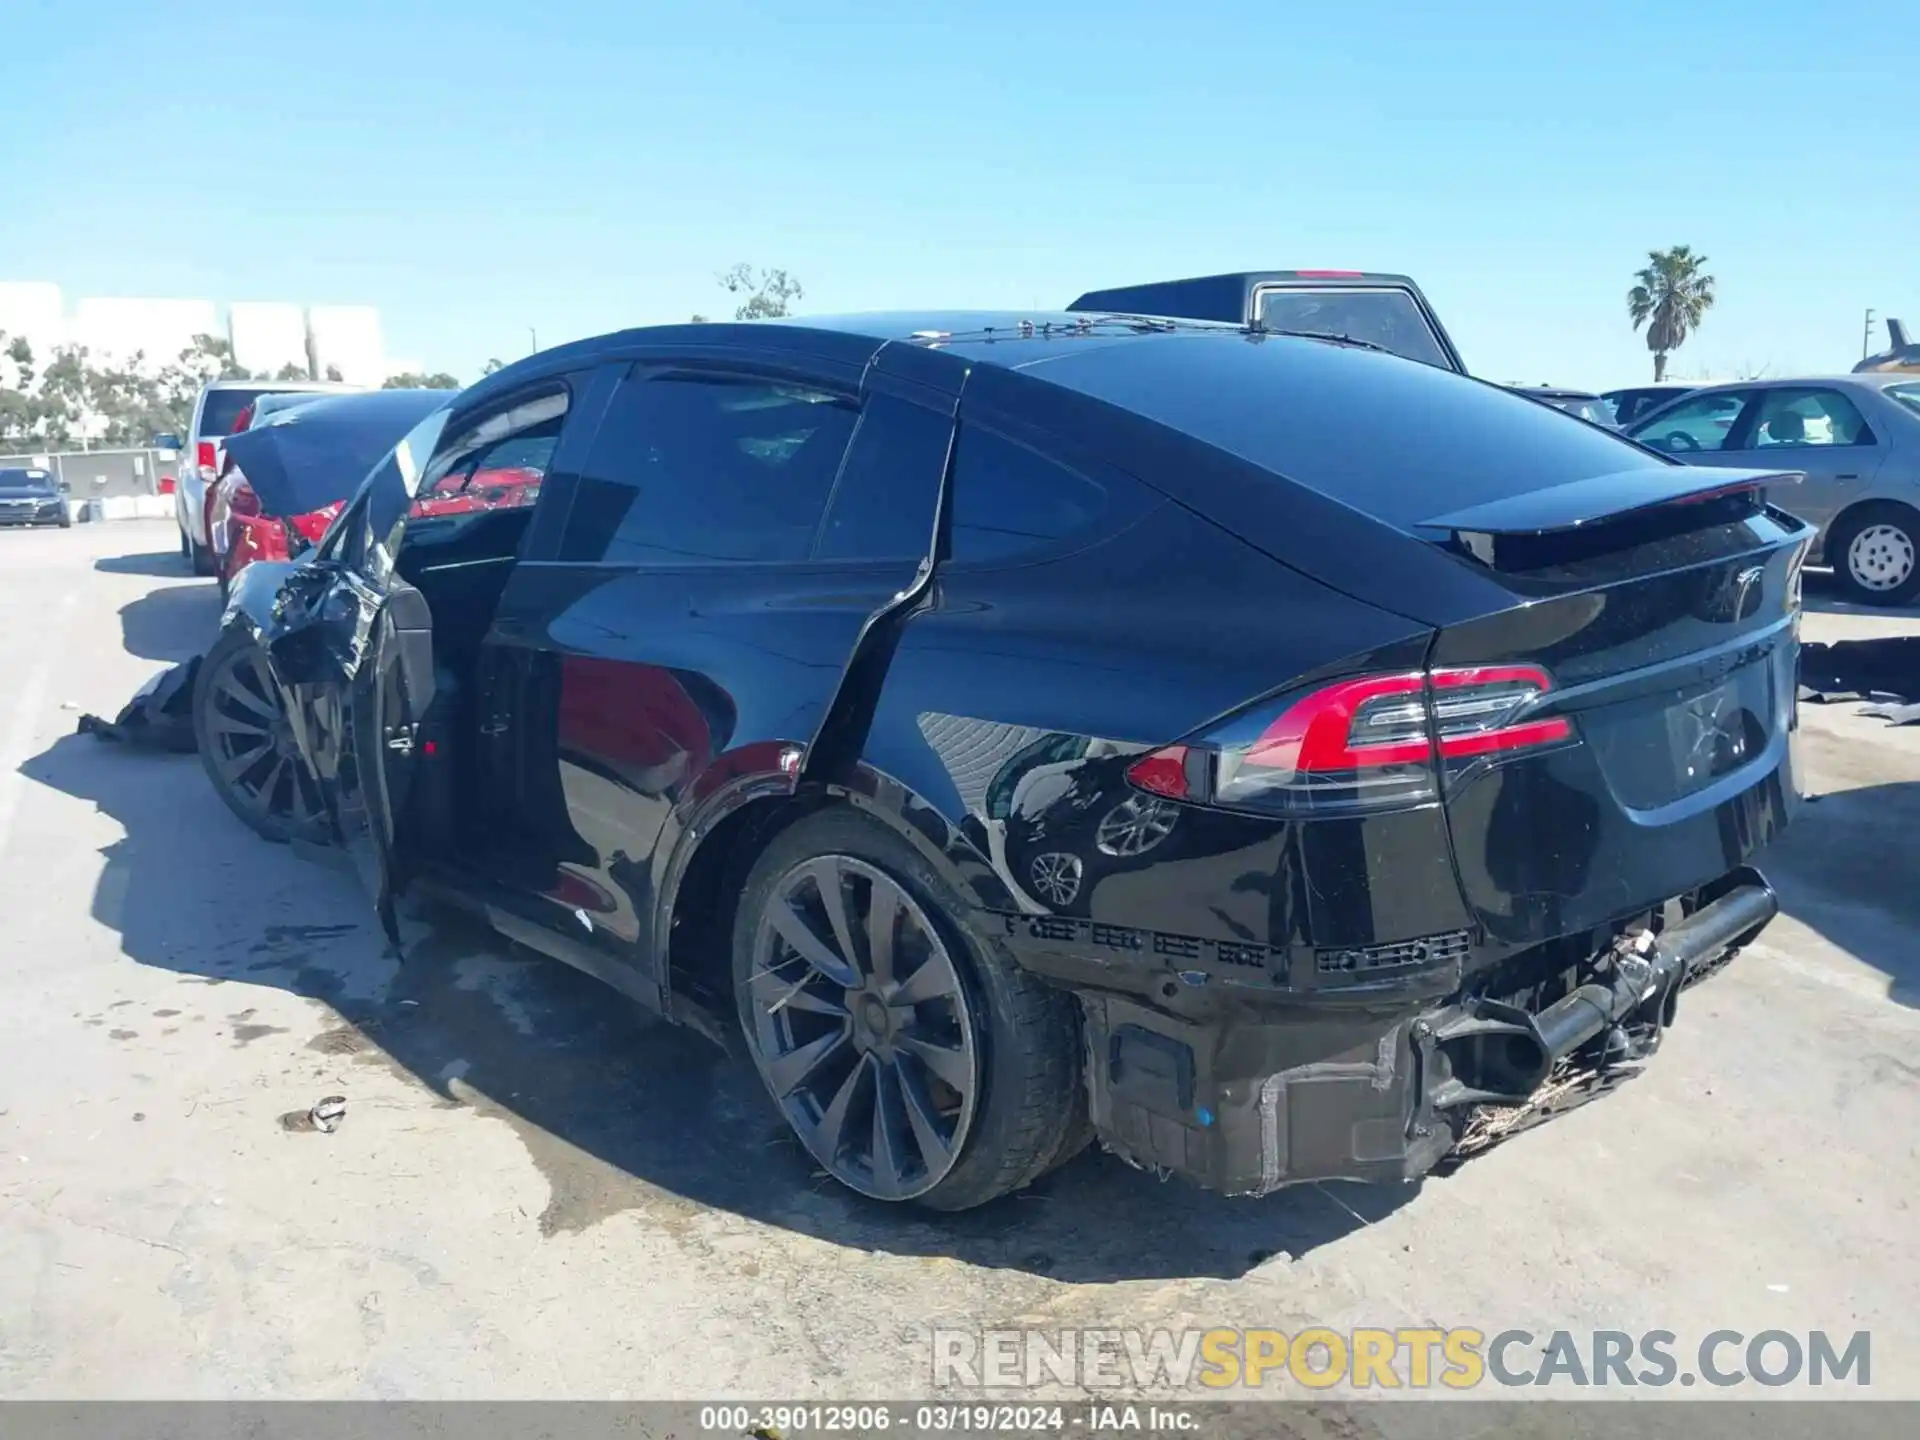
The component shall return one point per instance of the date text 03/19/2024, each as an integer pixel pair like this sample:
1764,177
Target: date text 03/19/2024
779,1422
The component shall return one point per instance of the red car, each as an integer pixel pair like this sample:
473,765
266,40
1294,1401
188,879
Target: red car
240,531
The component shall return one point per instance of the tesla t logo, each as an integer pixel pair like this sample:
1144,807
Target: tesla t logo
1738,596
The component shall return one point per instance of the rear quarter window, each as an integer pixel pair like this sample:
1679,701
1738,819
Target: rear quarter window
1010,502
1395,439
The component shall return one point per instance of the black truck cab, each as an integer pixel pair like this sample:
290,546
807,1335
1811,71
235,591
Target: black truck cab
1386,311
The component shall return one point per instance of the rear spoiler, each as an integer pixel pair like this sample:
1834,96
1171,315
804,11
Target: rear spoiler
1603,498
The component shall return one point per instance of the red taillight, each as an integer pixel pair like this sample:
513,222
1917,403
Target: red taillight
1370,740
314,524
203,455
240,498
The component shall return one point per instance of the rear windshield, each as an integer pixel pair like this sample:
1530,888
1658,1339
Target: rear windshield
1387,318
1400,442
223,408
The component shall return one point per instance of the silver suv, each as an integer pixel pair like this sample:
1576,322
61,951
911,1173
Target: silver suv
215,413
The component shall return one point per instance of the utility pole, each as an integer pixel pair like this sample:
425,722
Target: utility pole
533,341
1866,337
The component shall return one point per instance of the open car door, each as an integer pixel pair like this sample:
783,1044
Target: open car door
352,648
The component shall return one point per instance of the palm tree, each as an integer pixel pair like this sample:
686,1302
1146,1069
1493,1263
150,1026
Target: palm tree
1673,296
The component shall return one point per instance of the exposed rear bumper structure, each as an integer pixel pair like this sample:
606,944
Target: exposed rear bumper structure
1273,1098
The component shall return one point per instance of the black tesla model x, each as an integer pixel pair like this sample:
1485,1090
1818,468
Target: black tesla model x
1258,751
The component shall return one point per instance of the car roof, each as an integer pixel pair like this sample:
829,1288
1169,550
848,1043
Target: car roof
279,386
1005,338
1795,382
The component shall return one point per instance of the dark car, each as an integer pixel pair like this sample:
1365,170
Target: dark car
1396,747
33,497
1387,312
1591,408
1636,402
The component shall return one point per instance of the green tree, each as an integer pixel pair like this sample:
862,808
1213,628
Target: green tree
417,380
1671,297
768,294
492,365
16,408
333,374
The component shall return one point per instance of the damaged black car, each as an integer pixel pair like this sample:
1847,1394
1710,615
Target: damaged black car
1265,754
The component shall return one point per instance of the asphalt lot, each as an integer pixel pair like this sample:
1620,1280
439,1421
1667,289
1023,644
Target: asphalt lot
536,1192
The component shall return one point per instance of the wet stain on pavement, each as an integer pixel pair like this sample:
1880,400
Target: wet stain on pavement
244,1035
123,1034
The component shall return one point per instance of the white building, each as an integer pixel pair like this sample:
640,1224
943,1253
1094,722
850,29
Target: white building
116,331
268,336
265,335
31,310
347,339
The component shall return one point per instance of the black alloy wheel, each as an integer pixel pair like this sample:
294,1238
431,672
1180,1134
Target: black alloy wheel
247,746
912,1057
862,1028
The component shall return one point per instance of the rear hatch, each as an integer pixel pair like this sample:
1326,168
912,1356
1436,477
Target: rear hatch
1661,609
1652,606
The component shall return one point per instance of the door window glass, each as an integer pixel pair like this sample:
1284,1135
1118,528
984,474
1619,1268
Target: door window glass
708,470
1796,418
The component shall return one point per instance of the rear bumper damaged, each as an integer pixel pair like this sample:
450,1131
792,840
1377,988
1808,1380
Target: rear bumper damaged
1253,1098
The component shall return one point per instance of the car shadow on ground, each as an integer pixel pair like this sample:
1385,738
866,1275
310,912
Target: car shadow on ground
159,562
172,622
1849,868
619,1110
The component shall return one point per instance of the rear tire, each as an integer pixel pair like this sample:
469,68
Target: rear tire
1011,1045
239,726
1875,552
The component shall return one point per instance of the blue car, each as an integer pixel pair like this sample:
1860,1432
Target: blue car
33,497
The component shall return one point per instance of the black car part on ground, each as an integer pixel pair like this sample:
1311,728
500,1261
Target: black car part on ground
1885,665
312,453
158,717
1292,750
1885,670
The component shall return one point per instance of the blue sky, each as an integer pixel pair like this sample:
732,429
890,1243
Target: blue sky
482,167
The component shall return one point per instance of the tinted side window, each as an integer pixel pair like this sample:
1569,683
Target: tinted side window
705,470
1008,499
883,503
505,476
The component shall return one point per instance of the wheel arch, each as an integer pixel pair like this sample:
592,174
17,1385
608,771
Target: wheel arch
729,831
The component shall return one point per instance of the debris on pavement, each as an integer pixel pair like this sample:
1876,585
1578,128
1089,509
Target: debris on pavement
1893,714
324,1116
1887,667
158,717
